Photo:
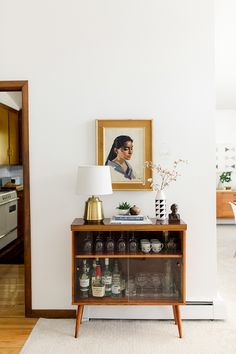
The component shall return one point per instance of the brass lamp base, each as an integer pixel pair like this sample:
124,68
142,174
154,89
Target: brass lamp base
93,210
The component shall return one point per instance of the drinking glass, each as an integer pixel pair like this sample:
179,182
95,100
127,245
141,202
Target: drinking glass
130,290
141,280
157,282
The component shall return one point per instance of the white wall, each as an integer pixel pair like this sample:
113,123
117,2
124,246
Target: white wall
88,60
225,129
225,54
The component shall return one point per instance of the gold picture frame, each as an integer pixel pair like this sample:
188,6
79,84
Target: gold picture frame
126,158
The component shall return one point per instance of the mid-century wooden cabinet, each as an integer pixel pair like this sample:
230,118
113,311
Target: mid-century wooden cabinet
158,278
10,140
223,208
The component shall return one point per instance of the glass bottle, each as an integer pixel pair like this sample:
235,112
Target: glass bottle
107,278
87,266
93,271
133,244
110,244
84,280
98,288
121,244
99,244
116,281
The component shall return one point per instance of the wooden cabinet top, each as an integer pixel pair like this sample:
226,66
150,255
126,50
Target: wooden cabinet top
226,191
80,225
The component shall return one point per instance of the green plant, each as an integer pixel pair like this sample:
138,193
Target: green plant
124,206
226,177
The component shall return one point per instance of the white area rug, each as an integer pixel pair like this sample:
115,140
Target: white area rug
131,337
148,337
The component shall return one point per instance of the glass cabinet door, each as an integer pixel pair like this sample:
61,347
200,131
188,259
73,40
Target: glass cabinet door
122,266
129,279
154,279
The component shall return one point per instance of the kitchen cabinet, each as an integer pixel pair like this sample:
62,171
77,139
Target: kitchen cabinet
223,208
146,277
10,137
4,157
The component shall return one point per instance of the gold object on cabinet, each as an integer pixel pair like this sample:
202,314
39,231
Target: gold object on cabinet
93,210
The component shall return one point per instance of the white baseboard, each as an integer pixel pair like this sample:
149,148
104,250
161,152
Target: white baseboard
225,221
193,310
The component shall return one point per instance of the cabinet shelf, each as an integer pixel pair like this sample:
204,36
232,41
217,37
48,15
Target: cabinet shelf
130,255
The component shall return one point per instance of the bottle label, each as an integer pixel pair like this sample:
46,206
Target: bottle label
84,283
116,279
107,280
115,289
98,291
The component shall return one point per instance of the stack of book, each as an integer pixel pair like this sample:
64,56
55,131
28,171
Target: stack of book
130,219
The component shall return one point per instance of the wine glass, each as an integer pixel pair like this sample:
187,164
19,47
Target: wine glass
130,290
141,280
157,282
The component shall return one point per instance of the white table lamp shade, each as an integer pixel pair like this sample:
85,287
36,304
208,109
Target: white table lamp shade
94,180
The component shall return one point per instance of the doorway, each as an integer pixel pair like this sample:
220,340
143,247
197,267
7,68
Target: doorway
22,86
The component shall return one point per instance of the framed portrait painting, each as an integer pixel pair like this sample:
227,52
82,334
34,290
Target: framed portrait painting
125,145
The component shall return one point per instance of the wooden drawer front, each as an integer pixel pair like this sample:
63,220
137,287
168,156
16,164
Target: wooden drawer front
223,208
227,212
228,195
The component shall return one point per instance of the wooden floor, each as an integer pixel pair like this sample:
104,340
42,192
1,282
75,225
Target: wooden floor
14,327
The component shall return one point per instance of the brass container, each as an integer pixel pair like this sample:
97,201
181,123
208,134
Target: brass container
93,209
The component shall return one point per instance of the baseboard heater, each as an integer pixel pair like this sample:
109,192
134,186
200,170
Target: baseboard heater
199,303
193,310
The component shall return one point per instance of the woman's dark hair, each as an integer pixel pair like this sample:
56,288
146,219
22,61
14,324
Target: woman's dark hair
117,144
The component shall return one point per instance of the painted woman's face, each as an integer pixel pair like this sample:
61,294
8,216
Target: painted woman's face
126,151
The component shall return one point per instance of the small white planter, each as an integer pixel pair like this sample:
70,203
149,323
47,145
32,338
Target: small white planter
123,211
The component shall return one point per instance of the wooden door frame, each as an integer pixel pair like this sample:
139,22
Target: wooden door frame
22,86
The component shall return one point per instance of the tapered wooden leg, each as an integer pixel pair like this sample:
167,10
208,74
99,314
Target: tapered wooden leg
78,319
174,312
178,318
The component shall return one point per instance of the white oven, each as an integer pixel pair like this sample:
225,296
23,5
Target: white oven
8,217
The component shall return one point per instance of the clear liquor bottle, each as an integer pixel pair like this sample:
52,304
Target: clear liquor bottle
84,280
116,281
107,278
98,288
93,271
